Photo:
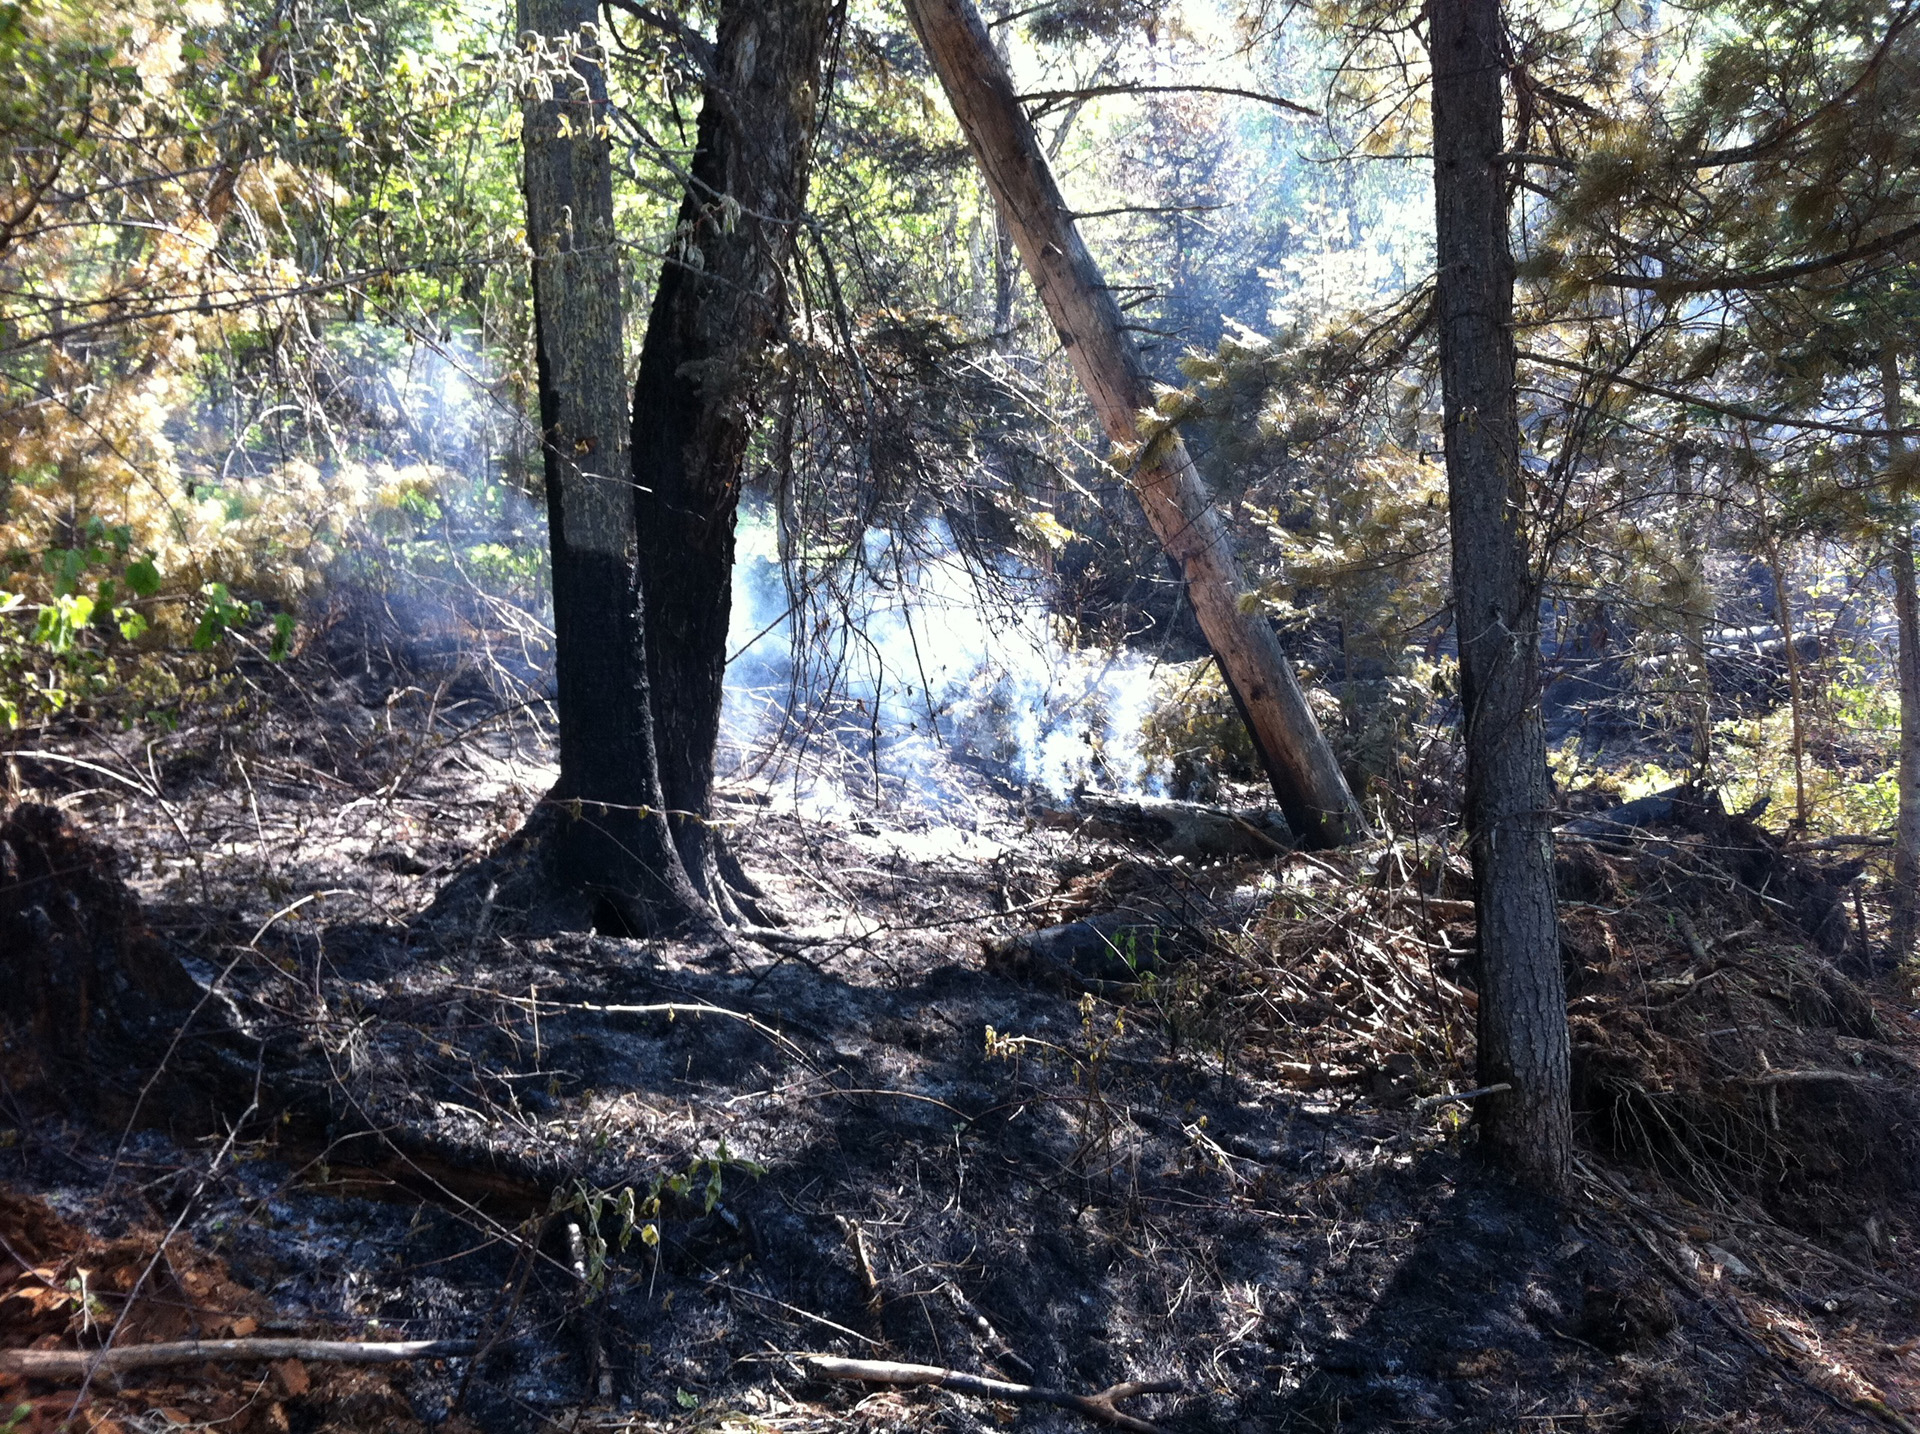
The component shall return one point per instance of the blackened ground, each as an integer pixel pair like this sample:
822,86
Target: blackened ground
862,1141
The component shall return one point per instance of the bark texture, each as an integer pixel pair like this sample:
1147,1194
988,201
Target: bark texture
603,825
1305,775
1522,1017
1906,607
720,301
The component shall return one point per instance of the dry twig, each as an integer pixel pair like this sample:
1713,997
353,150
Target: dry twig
1102,1407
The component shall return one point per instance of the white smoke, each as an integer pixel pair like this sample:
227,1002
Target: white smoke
923,677
912,675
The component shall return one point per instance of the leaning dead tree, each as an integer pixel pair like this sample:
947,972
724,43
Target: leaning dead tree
1305,775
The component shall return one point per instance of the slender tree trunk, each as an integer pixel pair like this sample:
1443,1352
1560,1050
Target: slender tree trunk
721,299
1695,610
1305,775
609,835
1906,607
1523,1036
1796,700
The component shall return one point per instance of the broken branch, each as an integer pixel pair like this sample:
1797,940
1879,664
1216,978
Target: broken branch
1102,1406
78,1363
1427,1101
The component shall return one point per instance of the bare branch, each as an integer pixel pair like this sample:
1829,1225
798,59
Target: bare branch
1049,98
1714,405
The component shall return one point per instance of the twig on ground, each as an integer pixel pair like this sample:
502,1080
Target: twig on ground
1102,1407
1815,1077
1427,1101
599,1371
857,1243
807,1315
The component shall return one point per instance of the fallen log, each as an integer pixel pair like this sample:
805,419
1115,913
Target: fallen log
1190,829
1102,1406
1118,947
1629,818
82,1363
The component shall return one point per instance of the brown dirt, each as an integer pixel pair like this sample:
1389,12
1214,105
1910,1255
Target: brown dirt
65,1289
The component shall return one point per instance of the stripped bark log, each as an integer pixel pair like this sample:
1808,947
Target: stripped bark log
1102,1406
1305,775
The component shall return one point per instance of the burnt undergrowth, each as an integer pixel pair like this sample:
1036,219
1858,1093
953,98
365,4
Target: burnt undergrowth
645,1176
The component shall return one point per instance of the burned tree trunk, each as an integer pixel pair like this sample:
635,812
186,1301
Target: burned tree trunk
602,827
1906,607
1523,1035
720,300
1306,777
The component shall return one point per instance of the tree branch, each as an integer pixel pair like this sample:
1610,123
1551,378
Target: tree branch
691,40
1712,405
1764,278
1102,1406
1050,98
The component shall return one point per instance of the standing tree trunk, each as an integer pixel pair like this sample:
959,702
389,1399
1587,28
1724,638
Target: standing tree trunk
1696,608
1305,775
603,829
1906,607
1522,1024
721,299
1796,699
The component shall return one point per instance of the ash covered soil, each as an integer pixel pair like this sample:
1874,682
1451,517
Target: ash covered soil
897,1130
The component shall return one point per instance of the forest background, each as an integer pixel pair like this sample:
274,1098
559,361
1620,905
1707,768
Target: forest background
267,358
1549,367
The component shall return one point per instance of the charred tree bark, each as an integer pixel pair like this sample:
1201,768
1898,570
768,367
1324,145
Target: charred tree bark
1906,607
721,299
1522,1017
1305,775
602,825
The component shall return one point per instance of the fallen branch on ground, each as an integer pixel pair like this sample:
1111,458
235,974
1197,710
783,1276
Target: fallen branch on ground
1102,1406
1836,843
77,1363
1812,1078
1426,1102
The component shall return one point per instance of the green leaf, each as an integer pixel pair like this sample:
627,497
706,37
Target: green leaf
143,577
282,645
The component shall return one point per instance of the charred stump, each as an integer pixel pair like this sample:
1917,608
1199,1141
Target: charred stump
90,991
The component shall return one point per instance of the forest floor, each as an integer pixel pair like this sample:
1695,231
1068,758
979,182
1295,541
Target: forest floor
1218,1152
